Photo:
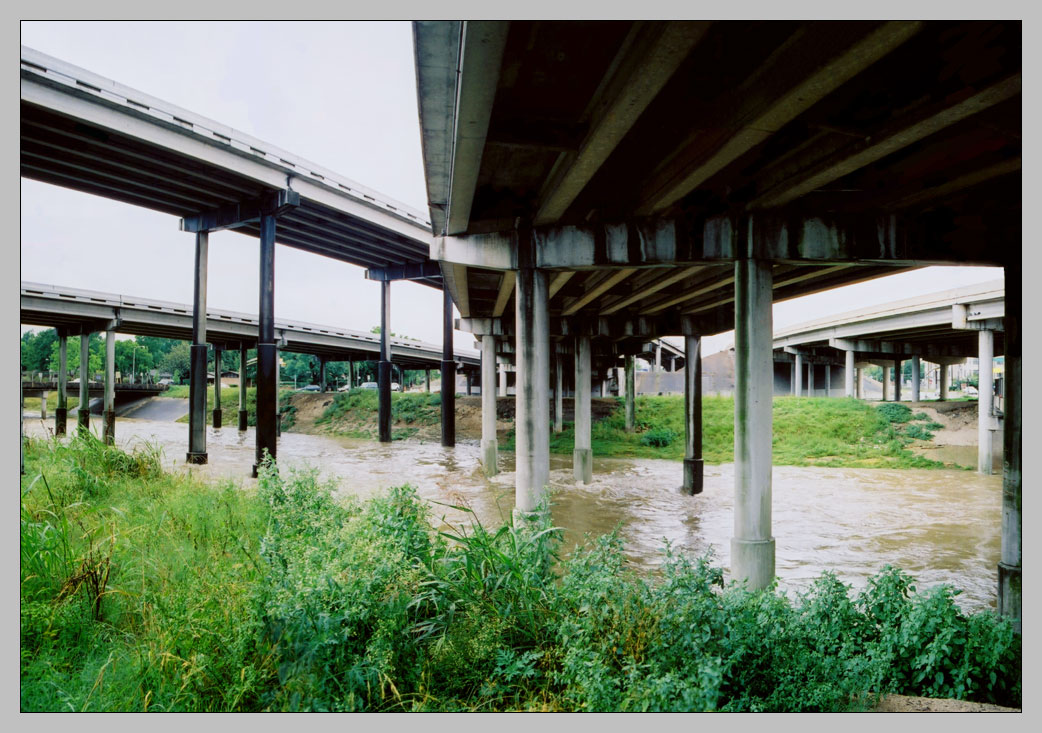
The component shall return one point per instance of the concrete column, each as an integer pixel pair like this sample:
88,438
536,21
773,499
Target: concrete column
828,380
752,547
109,415
218,356
792,379
582,455
533,370
860,384
942,378
83,411
848,374
267,352
243,414
322,373
693,465
985,384
61,413
558,393
278,391
897,380
427,373
502,380
631,391
620,375
915,378
468,376
448,375
1010,558
604,388
197,359
383,376
886,383
810,380
799,375
489,443
43,405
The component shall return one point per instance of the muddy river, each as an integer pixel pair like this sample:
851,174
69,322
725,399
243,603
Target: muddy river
942,526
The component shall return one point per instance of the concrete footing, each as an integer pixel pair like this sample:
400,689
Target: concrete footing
753,561
61,420
694,476
244,420
582,465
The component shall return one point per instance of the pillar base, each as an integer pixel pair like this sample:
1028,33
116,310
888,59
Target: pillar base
83,420
217,418
61,419
243,419
693,476
489,453
1009,603
753,561
197,459
109,422
582,465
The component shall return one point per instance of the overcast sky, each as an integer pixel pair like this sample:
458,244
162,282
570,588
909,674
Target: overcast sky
339,94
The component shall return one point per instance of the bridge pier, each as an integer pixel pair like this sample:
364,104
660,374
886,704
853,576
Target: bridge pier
533,370
631,391
243,415
351,372
860,384
448,374
810,379
828,380
753,547
489,442
383,378
897,380
693,464
798,367
43,405
197,364
83,410
427,378
942,379
848,373
61,412
322,373
468,376
985,399
915,378
582,455
502,380
267,351
109,420
558,393
218,355
886,381
1010,559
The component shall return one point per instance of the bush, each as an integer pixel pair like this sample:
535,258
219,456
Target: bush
658,437
895,412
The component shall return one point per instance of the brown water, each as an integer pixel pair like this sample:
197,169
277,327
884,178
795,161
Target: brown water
940,526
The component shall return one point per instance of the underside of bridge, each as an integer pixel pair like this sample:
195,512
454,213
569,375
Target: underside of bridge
611,182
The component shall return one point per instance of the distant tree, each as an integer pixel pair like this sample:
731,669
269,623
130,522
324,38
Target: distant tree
96,350
178,360
158,347
133,357
36,349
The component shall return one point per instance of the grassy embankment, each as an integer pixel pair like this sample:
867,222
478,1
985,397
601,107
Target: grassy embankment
142,590
230,404
820,432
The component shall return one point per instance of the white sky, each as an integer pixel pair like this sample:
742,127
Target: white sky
339,94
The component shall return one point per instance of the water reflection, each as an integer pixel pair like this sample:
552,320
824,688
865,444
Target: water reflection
941,526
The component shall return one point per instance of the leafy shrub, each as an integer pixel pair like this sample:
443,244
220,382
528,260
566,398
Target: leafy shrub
918,432
658,437
895,412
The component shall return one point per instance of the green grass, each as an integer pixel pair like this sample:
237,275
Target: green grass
353,413
146,591
230,404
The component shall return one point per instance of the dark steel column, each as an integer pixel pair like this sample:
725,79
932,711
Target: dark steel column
631,393
109,415
897,380
197,358
243,415
1010,558
469,377
61,414
448,375
383,374
693,465
322,372
218,355
83,409
267,355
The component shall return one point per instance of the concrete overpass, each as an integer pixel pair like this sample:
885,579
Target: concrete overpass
89,133
593,184
73,311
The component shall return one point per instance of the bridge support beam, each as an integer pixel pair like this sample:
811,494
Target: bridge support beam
109,416
897,380
798,366
752,547
489,443
915,378
61,413
942,379
533,372
693,465
582,455
83,411
218,355
383,376
985,384
848,374
1010,559
448,375
197,358
243,415
267,351
558,393
631,392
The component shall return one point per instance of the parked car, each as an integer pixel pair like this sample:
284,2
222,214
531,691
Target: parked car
345,388
370,385
310,388
162,382
395,387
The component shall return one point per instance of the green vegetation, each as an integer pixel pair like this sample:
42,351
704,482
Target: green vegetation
230,404
147,591
352,413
